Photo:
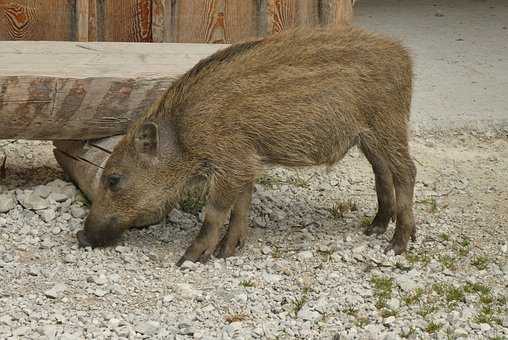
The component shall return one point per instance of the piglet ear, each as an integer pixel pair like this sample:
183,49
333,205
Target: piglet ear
146,139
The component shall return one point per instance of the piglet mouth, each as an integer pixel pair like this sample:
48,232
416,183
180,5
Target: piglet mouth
95,241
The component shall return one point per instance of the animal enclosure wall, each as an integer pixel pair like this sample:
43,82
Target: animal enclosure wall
205,21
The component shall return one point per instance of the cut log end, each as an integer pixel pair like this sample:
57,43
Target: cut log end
84,162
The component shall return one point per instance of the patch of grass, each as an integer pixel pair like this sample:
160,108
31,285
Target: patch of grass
247,283
487,315
326,255
299,303
439,288
276,253
450,293
447,261
383,287
361,321
299,181
235,318
191,204
426,310
477,288
431,203
366,221
350,311
486,299
341,207
387,312
480,262
433,327
269,181
415,258
455,294
414,297
444,237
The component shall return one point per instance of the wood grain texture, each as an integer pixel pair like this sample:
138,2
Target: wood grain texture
158,20
336,12
82,15
37,20
126,20
57,91
92,20
210,21
84,161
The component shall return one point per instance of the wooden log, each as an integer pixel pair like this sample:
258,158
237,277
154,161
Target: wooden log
84,161
63,90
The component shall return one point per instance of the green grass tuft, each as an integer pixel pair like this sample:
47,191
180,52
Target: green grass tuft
247,283
414,297
480,262
342,207
433,327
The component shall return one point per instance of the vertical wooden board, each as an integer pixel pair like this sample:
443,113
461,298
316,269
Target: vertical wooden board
281,15
307,13
37,20
194,21
336,12
158,20
92,20
126,20
240,20
82,14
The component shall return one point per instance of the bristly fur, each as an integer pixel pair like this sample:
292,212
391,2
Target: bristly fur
299,98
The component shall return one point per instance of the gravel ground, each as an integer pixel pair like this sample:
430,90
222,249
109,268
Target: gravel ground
307,271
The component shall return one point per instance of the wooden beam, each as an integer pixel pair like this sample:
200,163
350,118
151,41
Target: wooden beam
65,90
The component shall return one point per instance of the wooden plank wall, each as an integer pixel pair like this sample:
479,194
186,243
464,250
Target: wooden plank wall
203,21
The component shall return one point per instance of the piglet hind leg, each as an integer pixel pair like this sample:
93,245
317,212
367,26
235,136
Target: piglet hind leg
238,224
384,189
404,175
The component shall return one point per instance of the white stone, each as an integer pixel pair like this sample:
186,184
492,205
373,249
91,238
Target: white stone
148,327
305,255
7,203
47,215
56,291
78,212
308,314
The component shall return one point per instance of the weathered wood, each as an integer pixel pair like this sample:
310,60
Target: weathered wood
82,14
37,20
229,21
82,91
126,20
84,161
158,11
336,12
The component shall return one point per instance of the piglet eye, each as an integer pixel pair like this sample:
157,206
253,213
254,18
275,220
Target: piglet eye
113,181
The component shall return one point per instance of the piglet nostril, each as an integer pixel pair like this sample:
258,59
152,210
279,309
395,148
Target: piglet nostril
82,239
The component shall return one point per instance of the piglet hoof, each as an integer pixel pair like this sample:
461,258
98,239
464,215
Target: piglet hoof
82,239
228,246
376,229
398,247
197,252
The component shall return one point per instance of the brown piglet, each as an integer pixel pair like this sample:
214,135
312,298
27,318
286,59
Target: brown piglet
299,98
